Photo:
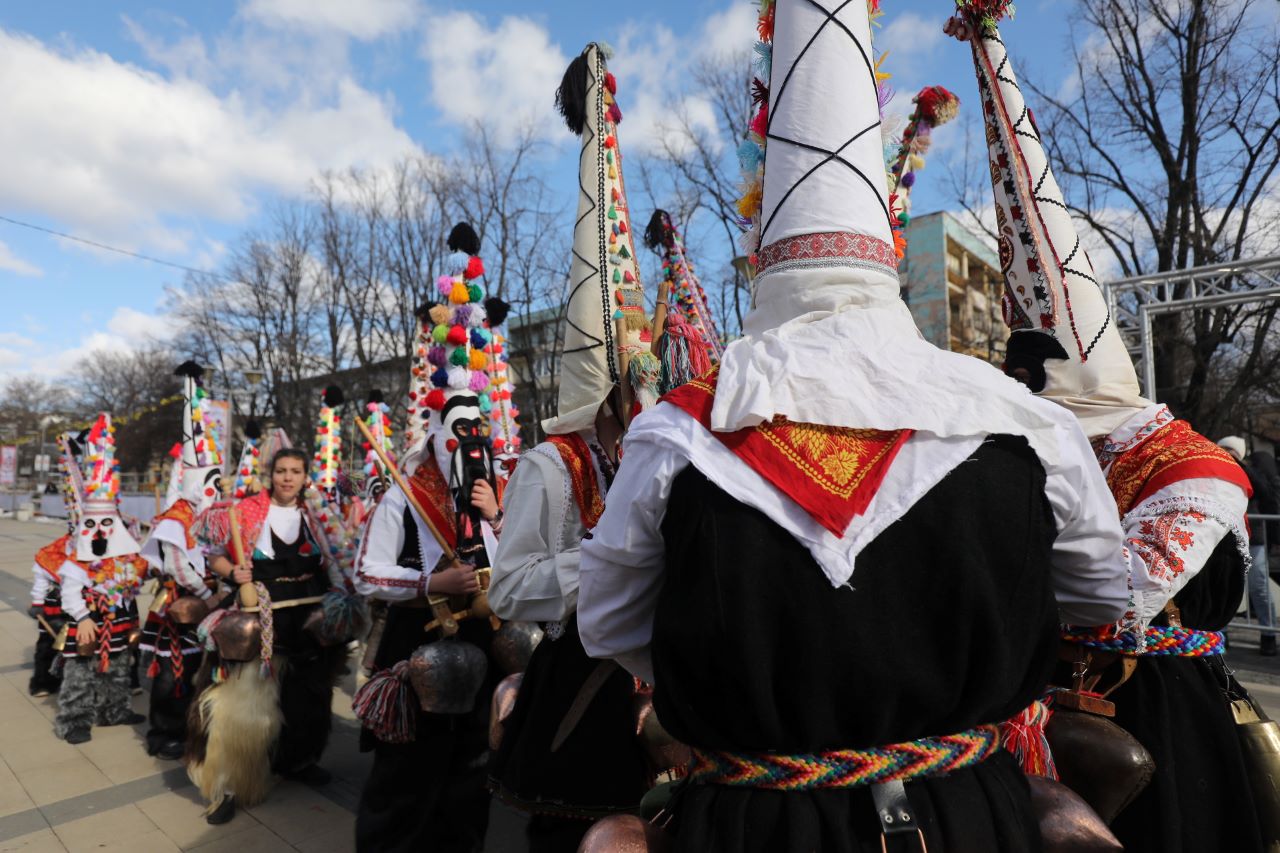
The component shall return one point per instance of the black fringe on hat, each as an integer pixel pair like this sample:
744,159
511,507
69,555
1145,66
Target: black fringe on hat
571,97
655,233
496,311
423,311
252,430
463,238
333,396
375,396
189,368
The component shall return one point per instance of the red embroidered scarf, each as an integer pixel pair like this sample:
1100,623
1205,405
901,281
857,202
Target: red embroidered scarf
831,472
182,512
433,495
582,476
52,556
1173,453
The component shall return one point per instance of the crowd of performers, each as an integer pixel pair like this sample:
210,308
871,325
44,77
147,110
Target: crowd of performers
827,587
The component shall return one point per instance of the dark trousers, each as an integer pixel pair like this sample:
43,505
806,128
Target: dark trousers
43,677
426,795
169,703
306,703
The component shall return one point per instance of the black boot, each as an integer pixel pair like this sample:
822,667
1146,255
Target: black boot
225,811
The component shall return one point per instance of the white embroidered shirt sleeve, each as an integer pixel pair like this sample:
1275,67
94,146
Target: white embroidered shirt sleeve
40,584
74,582
1171,535
536,564
378,573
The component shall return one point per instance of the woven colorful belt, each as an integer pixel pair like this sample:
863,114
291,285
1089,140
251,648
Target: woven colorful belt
1177,642
845,768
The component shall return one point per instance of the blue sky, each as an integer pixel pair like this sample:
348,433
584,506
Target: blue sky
168,128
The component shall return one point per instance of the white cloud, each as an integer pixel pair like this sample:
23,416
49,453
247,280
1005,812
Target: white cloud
364,20
728,32
506,75
13,339
115,151
14,264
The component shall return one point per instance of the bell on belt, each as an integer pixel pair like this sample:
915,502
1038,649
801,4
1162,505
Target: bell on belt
1067,824
188,610
447,675
624,833
504,702
1098,760
664,751
134,637
238,636
513,645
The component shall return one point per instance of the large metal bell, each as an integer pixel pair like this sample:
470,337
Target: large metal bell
188,610
504,702
238,636
513,645
1098,760
1067,823
447,676
624,834
664,751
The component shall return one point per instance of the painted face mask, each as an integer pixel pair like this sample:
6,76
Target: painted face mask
102,533
202,486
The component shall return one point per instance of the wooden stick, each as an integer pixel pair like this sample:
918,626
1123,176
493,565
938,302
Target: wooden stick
660,316
624,362
248,593
47,627
404,487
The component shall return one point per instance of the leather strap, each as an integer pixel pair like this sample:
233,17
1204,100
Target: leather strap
895,814
582,701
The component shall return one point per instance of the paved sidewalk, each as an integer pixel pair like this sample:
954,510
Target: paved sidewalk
108,794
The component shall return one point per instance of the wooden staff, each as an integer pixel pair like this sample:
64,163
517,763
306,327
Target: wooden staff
624,364
48,629
445,619
660,315
248,593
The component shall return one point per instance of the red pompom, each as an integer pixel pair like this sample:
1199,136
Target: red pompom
610,83
451,445
475,268
435,400
176,451
457,336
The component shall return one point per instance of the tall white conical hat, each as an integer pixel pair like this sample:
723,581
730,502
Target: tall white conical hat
1053,303
604,278
201,451
101,532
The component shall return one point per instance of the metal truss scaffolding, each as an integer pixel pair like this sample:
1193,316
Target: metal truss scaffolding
1135,301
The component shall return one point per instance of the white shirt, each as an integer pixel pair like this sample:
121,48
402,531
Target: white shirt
166,551
622,564
535,566
285,522
41,584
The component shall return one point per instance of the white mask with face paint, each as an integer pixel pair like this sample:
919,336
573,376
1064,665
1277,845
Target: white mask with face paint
102,533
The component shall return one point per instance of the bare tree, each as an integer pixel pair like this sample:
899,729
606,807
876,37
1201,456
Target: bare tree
1168,143
140,391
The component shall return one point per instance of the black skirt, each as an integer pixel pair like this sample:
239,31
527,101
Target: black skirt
600,768
948,622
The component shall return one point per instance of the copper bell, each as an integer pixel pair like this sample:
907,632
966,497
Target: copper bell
664,751
513,645
1098,760
134,637
447,675
238,636
188,610
504,702
479,603
624,833
1067,823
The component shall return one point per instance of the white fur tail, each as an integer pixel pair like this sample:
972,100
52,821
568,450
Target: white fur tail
241,720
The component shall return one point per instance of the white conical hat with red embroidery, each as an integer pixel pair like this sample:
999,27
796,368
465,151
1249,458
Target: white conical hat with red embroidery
1053,303
327,456
605,293
249,469
505,429
828,339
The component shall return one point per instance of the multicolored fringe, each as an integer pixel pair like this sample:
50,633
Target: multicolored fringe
384,704
1024,736
328,453
1175,642
934,107
985,14
846,768
345,616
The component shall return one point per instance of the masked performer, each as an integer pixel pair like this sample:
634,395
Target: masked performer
429,741
1182,500
99,584
843,558
181,602
267,685
566,774
46,586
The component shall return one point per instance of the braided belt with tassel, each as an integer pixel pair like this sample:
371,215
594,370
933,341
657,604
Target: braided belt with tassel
1174,641
845,768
